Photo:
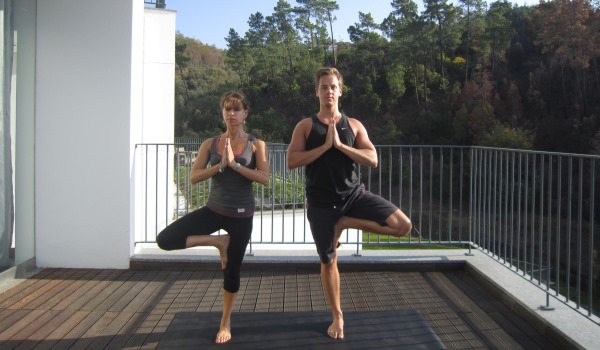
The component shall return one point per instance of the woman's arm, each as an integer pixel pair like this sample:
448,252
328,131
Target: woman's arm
262,172
199,171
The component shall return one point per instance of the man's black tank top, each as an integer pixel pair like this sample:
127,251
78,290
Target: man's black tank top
332,177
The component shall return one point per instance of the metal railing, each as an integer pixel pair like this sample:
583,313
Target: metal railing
159,4
534,212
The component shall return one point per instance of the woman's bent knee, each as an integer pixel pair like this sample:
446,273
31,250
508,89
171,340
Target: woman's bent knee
164,243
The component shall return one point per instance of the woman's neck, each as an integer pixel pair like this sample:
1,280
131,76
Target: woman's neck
234,134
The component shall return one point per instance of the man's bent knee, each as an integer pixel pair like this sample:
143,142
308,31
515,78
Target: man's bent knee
404,228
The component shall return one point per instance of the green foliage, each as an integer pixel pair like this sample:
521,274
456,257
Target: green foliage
373,241
461,74
195,196
504,137
283,191
270,125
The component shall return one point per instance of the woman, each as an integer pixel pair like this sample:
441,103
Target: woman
234,160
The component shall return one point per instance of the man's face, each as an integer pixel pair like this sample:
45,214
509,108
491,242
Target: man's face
329,90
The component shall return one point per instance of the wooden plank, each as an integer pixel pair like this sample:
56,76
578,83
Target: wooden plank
8,317
8,322
20,287
107,334
152,292
69,287
50,289
38,339
127,332
20,324
25,289
105,296
94,331
151,316
78,331
133,287
39,329
59,333
141,305
511,329
88,290
141,333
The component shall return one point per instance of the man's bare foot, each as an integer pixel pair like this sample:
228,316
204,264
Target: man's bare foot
222,247
336,329
223,336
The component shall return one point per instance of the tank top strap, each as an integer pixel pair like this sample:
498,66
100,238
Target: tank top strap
216,140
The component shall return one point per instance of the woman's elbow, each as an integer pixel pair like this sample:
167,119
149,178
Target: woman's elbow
264,179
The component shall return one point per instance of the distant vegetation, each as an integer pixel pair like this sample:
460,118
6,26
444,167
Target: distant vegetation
467,74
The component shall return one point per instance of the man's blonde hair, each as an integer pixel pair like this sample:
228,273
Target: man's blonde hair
323,72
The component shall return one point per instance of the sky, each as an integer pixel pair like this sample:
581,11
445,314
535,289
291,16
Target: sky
209,21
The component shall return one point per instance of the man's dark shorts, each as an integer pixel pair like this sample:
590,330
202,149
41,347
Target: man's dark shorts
360,204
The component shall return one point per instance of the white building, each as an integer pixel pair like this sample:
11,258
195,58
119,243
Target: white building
83,82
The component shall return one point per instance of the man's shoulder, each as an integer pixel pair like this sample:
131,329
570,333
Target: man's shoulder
305,121
353,121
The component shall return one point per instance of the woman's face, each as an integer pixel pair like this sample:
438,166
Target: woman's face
234,114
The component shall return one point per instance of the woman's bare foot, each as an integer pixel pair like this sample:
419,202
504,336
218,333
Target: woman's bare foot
222,247
336,329
223,336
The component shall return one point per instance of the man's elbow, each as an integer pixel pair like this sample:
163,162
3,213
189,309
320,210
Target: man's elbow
291,163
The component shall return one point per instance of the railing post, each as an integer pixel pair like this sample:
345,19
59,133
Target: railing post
547,307
471,192
250,251
357,254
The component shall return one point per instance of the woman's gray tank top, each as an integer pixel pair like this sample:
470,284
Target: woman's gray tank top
230,192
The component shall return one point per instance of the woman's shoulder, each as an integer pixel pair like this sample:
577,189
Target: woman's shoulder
255,140
208,143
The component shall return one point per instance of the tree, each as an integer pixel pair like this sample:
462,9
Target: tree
238,56
282,31
567,31
498,31
321,11
445,18
474,28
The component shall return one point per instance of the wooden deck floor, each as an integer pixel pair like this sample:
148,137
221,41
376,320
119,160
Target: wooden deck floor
131,309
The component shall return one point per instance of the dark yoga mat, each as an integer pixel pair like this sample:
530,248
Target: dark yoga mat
404,329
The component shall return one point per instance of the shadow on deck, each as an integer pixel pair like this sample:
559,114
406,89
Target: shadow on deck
132,309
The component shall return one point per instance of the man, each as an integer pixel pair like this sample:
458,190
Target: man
331,145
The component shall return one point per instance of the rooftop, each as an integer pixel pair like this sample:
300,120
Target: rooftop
470,302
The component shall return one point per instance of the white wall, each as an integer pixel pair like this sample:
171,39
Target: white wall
159,76
82,153
156,126
24,123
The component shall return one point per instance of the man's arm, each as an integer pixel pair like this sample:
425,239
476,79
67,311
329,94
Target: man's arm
297,155
364,153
